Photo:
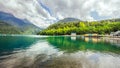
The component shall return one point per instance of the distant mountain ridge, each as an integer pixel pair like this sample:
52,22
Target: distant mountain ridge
69,20
112,20
6,28
23,26
75,20
10,19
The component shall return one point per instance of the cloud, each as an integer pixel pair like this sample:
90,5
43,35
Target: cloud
82,8
27,9
44,12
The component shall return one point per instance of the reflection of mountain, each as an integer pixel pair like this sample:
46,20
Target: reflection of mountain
69,45
8,43
16,25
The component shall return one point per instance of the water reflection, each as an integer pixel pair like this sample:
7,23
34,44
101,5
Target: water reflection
113,41
33,56
94,44
92,39
62,52
43,55
73,38
11,44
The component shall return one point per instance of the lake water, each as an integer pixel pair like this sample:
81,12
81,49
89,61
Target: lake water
58,52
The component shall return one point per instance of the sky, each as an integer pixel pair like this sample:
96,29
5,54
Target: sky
42,13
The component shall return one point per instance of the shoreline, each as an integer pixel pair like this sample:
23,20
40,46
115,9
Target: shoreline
98,36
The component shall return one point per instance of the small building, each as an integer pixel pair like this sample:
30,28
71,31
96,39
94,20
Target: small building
112,33
116,33
73,34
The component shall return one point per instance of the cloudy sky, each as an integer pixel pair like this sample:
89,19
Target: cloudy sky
45,12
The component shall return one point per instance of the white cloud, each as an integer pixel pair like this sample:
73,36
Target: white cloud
26,9
81,9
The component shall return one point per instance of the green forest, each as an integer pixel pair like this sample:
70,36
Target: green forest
82,27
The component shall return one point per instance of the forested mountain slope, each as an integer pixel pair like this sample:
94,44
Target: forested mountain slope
80,27
6,28
9,24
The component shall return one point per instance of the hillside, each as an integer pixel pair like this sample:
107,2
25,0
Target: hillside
10,19
6,28
99,27
12,25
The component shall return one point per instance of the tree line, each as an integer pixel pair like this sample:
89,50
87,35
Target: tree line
81,27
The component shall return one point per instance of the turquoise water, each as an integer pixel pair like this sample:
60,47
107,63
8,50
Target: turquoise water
31,51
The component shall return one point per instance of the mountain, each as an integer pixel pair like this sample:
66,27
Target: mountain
83,27
6,28
9,18
69,20
23,25
111,20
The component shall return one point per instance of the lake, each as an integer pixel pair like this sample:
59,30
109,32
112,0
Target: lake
32,51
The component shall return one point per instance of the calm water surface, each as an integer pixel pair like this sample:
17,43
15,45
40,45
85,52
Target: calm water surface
58,52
